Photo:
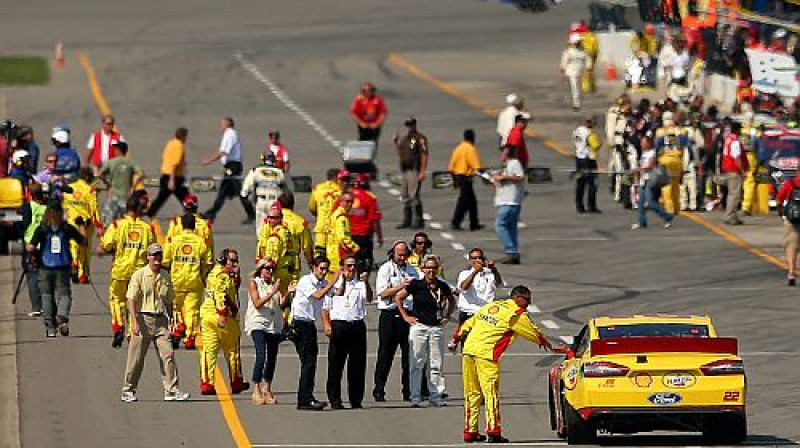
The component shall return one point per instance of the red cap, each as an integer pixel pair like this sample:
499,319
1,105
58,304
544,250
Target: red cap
343,174
190,201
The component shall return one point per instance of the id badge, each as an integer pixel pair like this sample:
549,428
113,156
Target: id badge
55,244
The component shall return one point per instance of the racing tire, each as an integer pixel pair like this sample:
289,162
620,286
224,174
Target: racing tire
724,430
579,431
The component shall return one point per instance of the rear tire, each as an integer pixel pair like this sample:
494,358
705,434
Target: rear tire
579,431
725,430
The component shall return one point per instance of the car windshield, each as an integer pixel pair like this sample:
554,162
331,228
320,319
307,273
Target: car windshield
635,330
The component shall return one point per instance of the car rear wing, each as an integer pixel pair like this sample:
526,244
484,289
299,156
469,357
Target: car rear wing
664,344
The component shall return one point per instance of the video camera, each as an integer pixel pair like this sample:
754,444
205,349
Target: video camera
55,189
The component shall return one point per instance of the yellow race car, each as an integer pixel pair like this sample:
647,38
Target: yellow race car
642,373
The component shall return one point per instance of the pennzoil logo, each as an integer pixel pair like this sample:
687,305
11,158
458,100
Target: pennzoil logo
134,236
186,249
494,309
679,380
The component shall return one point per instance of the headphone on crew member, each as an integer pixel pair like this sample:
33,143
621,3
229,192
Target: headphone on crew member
390,252
428,242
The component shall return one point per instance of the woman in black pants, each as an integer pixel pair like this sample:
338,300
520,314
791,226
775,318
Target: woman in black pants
264,322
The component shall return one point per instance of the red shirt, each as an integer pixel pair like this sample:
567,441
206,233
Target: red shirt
364,212
785,192
516,138
369,110
281,155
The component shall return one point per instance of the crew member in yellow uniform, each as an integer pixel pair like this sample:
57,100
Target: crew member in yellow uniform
219,325
671,140
488,334
320,204
202,226
340,240
747,140
300,243
127,238
591,46
273,244
189,260
81,209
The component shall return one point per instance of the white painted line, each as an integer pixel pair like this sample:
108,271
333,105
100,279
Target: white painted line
459,247
533,309
447,236
567,339
550,324
394,192
435,225
427,216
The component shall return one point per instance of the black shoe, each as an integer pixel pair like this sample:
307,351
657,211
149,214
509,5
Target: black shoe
50,333
175,341
580,211
118,338
337,405
456,228
311,406
790,281
379,397
511,259
596,210
444,396
497,439
477,227
406,398
356,406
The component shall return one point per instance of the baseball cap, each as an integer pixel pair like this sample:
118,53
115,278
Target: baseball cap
343,174
154,249
668,116
61,136
363,178
190,201
512,98
574,38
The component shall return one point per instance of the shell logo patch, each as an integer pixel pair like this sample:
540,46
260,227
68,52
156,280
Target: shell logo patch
493,309
186,249
134,235
77,194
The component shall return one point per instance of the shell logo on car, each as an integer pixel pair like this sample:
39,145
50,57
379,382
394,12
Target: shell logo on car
643,380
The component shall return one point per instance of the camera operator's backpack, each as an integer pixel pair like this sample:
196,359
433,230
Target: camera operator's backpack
792,209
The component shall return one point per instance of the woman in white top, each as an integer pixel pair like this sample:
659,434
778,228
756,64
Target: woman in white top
264,323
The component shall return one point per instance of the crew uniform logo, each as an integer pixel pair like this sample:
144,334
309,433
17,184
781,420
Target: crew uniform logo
187,256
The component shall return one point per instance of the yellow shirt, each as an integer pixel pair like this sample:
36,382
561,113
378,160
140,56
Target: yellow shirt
272,245
321,200
339,237
495,327
465,159
129,238
593,142
220,294
150,291
188,259
201,227
590,44
82,202
173,158
301,236
415,260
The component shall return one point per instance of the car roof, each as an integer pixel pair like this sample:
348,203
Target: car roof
651,319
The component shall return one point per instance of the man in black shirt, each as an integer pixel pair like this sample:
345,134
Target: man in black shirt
433,306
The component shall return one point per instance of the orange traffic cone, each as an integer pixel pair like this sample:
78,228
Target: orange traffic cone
59,60
611,72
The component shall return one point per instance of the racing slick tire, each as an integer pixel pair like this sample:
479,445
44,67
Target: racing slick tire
579,431
725,430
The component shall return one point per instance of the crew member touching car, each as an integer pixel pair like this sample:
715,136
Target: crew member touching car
488,334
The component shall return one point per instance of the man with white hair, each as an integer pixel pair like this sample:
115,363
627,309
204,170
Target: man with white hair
505,119
573,62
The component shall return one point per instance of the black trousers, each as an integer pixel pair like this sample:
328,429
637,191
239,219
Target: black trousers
364,255
392,333
348,344
466,203
365,134
586,184
163,193
230,187
306,345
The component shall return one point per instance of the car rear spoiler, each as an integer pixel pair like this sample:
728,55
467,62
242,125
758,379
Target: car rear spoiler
666,344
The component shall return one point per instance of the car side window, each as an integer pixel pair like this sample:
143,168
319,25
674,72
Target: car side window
581,342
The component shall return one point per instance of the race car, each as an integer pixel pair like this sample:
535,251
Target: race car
640,373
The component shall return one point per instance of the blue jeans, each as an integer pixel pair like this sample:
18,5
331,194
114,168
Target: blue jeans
56,294
266,345
646,200
505,225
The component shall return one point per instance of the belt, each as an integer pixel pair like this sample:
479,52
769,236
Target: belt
305,321
147,313
356,321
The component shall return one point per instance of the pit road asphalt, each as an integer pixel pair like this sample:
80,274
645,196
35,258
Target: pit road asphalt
294,66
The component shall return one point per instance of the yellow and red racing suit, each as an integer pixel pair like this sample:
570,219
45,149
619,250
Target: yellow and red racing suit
188,258
81,205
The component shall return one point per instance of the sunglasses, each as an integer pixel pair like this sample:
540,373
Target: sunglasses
51,160
350,265
234,260
419,243
430,267
273,217
479,257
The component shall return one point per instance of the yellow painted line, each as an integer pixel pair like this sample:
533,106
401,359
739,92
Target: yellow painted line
157,227
735,239
93,84
223,394
405,63
229,410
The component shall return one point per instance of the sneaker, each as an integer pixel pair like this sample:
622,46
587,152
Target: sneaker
790,281
50,333
635,226
668,223
35,314
207,389
176,396
129,397
189,343
438,404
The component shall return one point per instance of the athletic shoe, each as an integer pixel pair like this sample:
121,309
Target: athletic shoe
84,279
119,336
668,223
35,314
189,344
176,396
497,438
474,437
635,226
50,333
207,389
63,325
129,397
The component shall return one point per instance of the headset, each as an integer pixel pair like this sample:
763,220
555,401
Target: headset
223,257
390,252
428,242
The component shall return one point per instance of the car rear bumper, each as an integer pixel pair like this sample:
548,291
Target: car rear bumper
596,412
630,420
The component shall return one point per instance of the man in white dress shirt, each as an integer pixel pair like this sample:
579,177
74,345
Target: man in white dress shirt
230,156
343,314
311,291
393,276
477,285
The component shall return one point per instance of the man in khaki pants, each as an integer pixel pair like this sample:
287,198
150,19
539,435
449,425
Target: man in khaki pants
150,296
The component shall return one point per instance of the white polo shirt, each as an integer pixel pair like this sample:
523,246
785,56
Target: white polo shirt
305,307
230,146
351,305
480,292
391,275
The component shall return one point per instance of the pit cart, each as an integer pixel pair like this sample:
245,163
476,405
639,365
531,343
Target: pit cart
359,157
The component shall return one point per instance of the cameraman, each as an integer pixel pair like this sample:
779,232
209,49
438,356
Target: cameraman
50,245
32,213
